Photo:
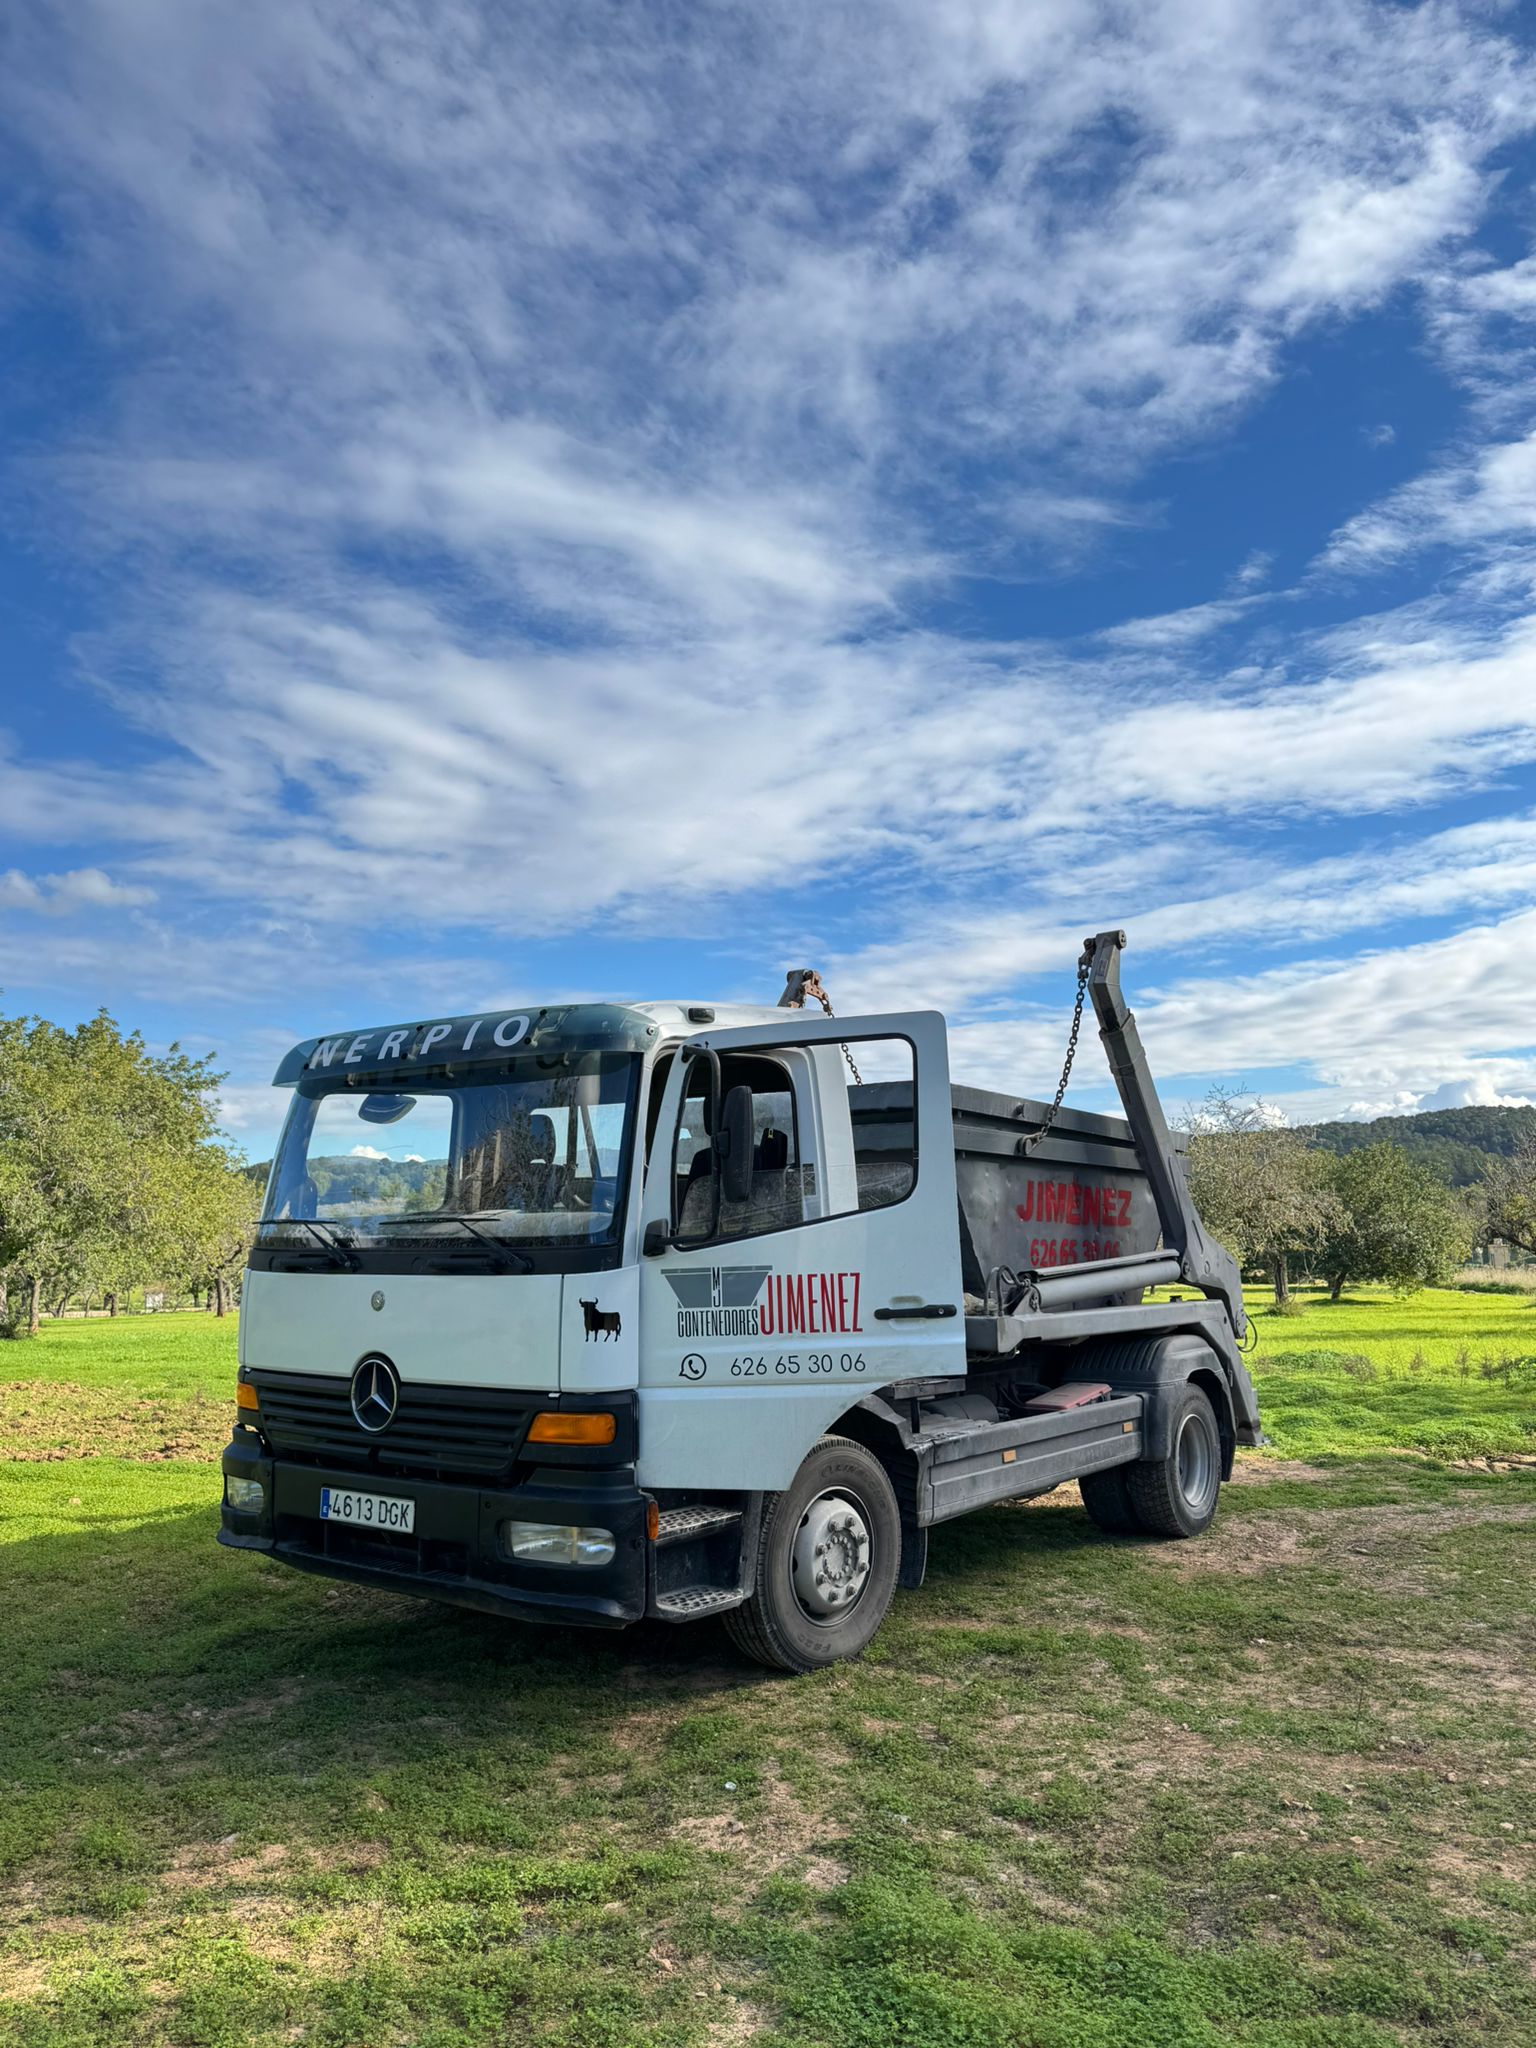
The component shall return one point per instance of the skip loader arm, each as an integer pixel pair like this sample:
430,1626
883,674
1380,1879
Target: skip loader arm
1203,1263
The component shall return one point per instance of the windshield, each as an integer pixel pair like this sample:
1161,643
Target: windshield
536,1152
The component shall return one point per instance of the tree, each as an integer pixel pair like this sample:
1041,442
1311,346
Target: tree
218,1210
1511,1195
1262,1190
98,1138
1395,1221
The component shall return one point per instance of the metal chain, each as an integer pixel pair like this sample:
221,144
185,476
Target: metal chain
1028,1144
811,986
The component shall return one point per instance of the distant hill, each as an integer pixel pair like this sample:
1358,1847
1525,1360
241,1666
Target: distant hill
1456,1143
411,1183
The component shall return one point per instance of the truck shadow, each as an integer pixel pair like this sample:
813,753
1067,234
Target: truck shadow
219,1697
150,1617
153,1606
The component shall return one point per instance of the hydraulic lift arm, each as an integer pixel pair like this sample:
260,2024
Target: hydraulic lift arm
1203,1263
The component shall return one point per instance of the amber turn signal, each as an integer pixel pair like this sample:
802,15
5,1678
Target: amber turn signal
245,1395
572,1429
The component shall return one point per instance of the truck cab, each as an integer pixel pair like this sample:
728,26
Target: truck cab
599,1311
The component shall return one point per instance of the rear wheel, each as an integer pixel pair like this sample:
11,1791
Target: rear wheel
1176,1495
827,1558
1107,1500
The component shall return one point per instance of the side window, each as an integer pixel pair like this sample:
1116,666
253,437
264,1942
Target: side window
867,1157
883,1122
758,1127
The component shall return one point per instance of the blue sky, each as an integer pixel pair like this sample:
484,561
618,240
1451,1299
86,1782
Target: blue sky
509,503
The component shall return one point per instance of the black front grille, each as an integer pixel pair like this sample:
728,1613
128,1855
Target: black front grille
463,1432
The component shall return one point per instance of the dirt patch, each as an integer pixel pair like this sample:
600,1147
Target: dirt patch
1370,1541
1457,1871
776,1838
1065,1496
215,1866
172,1732
48,1421
209,1866
23,1977
281,1931
1252,1468
744,2024
643,1731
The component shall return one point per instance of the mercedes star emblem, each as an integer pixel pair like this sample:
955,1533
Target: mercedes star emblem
375,1394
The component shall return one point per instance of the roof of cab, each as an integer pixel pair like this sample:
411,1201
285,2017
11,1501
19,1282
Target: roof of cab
497,1035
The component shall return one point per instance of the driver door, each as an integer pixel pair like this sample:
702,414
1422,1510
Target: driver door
833,1270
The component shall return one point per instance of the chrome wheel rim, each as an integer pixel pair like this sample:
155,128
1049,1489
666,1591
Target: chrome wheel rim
1196,1463
829,1562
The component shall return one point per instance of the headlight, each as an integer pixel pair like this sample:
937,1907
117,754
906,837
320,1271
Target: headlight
245,1496
554,1543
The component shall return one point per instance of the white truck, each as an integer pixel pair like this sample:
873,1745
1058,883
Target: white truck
596,1312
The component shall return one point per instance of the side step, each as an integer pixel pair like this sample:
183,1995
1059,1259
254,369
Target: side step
691,1603
697,1561
682,1525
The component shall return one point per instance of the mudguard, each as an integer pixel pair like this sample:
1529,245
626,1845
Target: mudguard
1156,1368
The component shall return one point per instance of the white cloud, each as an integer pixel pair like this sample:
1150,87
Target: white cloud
1354,236
954,958
531,447
567,782
366,1152
1469,1090
1488,497
1393,1019
1177,629
1387,1025
81,889
1254,570
244,1105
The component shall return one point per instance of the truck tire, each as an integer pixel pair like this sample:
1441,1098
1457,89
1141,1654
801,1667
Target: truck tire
828,1552
1177,1495
1108,1500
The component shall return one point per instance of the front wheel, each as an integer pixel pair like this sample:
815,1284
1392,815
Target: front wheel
827,1557
1176,1495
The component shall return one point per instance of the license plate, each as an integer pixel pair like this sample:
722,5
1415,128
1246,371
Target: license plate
370,1510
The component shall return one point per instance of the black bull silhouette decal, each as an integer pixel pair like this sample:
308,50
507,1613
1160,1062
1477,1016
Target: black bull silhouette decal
600,1322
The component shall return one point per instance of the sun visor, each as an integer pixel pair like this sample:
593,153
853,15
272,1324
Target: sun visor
491,1038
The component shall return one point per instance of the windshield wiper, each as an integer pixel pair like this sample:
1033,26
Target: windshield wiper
521,1262
498,1246
325,1236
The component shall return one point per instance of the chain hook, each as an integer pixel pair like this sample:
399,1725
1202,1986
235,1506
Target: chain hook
803,982
1035,1137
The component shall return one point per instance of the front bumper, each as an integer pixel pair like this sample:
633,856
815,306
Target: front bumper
456,1550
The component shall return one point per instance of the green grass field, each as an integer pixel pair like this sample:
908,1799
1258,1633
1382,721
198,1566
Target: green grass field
1272,1788
1445,1371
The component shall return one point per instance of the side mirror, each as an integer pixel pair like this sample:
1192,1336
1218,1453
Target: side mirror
657,1239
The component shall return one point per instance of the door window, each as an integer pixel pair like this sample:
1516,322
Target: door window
757,1123
868,1124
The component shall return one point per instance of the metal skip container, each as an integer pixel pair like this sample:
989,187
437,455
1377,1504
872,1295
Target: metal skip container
1078,1197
